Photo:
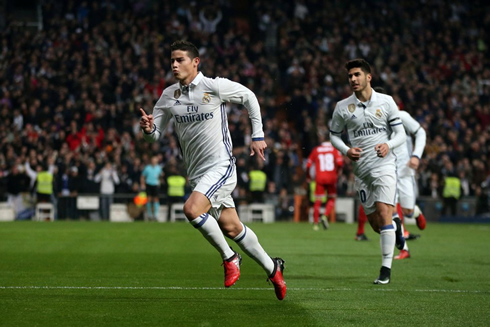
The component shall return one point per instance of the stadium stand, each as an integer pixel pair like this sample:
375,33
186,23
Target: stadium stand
71,84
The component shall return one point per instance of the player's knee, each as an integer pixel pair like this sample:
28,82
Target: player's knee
384,212
375,226
232,230
191,210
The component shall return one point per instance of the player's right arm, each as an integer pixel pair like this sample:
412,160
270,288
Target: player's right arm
309,163
339,161
337,126
155,123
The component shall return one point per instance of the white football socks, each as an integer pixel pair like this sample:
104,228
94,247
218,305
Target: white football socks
416,211
387,243
209,228
249,243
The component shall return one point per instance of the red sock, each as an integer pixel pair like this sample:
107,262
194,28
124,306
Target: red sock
400,214
361,221
329,206
399,210
316,210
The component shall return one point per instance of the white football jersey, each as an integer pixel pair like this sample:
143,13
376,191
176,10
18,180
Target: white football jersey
201,122
367,125
403,153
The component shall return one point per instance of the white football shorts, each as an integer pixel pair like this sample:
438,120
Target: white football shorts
406,192
376,189
217,185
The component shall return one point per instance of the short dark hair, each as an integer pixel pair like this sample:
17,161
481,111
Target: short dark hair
182,45
358,63
379,89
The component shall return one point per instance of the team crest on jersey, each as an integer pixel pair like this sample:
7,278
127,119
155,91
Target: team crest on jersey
206,98
177,93
351,108
379,114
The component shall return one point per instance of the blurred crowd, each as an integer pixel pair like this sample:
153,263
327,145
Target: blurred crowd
70,93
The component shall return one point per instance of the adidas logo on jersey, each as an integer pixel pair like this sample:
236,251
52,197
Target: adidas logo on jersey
353,117
176,103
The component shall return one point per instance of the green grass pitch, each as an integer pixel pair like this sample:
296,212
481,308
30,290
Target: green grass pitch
152,274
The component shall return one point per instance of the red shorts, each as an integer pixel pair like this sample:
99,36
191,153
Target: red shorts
331,189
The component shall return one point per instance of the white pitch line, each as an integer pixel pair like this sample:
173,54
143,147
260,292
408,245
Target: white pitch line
179,288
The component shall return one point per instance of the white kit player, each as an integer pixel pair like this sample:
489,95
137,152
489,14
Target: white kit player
197,106
408,160
369,118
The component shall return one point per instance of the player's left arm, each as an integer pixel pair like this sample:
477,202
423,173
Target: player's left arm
399,136
413,128
234,92
420,140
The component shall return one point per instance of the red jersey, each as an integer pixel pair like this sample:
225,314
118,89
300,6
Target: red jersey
327,160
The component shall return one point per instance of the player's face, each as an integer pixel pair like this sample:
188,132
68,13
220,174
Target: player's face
183,67
358,80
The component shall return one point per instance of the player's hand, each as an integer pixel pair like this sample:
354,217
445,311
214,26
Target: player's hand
413,162
382,150
354,154
146,122
259,147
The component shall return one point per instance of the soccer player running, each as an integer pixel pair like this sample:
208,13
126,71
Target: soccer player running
196,104
408,160
369,118
327,161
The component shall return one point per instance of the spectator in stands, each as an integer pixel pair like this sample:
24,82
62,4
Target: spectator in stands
108,179
17,183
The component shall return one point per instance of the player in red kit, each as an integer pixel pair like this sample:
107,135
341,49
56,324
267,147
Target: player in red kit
327,161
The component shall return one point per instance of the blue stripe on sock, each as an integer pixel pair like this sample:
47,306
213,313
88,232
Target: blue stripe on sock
243,236
387,227
204,217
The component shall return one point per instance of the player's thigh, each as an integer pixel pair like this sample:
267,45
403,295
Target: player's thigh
331,190
406,192
216,186
320,189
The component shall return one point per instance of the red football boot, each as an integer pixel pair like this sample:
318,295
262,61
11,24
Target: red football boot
232,269
277,279
403,255
421,221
